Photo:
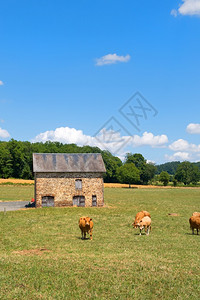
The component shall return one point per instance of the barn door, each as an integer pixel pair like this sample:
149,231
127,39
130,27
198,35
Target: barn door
47,201
75,200
82,201
94,200
79,201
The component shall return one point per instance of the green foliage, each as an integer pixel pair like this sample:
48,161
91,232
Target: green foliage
164,178
16,157
169,167
187,173
147,171
6,169
112,163
128,173
174,182
137,159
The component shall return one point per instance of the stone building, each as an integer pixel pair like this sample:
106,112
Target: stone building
68,179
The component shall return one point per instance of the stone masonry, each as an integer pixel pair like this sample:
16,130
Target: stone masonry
61,186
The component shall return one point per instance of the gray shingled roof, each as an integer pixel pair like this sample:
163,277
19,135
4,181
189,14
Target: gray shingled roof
68,162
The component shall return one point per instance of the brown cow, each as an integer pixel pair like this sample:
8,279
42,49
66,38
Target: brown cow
145,223
196,214
86,226
139,217
194,223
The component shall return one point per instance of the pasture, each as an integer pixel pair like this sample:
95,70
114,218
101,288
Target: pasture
42,255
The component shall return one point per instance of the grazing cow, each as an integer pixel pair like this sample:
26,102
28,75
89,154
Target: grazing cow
139,217
145,223
194,223
86,226
196,214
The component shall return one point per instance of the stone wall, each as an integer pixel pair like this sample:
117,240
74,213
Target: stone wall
62,187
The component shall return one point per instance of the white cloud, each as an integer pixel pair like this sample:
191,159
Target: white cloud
106,139
193,128
1,82
151,162
179,156
148,139
183,145
188,7
184,151
64,135
4,133
111,59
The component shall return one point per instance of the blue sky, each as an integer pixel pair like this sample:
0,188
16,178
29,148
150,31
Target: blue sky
67,67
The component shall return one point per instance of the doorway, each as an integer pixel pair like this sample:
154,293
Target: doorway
48,201
79,201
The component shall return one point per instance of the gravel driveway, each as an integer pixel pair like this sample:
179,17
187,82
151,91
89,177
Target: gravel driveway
12,205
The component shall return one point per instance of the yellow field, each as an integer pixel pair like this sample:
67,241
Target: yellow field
137,186
16,181
106,185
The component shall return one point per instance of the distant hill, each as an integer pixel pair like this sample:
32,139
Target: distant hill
171,167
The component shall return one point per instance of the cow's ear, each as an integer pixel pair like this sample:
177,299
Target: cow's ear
84,219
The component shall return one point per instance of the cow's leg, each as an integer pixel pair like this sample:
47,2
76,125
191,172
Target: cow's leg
82,234
90,234
192,230
197,231
148,230
140,231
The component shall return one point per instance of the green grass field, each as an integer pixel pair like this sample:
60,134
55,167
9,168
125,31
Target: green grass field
16,192
117,264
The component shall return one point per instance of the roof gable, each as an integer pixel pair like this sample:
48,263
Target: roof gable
68,162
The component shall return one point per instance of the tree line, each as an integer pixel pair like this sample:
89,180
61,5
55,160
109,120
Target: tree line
16,162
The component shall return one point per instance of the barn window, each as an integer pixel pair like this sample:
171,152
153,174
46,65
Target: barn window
47,201
78,184
79,201
94,200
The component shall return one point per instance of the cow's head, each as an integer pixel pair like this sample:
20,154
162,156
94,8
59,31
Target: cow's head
135,225
87,220
140,224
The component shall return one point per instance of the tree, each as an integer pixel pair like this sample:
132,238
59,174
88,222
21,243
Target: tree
112,163
164,178
147,171
5,161
128,173
187,173
137,159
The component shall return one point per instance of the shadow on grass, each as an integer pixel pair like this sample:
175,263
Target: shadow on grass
187,233
129,188
143,234
80,238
